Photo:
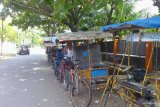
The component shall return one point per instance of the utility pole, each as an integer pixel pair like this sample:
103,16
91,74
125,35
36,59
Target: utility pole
2,34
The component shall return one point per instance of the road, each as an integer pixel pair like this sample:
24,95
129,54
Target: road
28,81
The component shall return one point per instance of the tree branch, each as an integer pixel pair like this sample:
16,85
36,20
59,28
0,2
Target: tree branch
32,9
110,13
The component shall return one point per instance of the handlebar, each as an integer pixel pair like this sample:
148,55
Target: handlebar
125,70
120,69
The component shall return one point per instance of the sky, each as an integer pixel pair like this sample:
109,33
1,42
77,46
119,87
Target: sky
146,4
1,7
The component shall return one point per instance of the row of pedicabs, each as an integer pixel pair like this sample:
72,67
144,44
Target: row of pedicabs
123,83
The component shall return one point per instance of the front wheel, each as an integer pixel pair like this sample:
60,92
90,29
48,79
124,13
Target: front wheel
80,94
112,99
58,74
67,80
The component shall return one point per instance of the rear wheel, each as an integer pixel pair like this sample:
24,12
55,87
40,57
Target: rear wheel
81,94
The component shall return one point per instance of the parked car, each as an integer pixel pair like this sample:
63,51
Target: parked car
24,49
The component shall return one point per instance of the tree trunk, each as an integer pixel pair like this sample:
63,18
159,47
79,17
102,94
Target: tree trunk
73,28
110,14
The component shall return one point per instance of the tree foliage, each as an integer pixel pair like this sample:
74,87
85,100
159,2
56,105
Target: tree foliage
77,15
9,33
157,3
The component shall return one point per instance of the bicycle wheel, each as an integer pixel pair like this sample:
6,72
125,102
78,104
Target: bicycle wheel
49,60
61,78
81,94
112,99
151,83
58,73
67,80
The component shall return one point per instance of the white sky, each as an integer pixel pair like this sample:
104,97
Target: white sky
146,4
1,7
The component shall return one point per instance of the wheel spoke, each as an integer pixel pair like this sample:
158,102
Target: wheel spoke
81,94
112,99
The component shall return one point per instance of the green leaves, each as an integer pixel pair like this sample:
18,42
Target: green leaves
77,15
9,33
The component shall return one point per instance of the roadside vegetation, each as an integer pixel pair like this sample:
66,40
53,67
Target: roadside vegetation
51,16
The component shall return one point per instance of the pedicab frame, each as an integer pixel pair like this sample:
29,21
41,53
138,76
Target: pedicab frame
85,76
128,90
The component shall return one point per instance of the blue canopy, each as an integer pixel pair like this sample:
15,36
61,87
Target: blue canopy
105,28
153,22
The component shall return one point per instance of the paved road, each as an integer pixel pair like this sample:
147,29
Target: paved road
28,81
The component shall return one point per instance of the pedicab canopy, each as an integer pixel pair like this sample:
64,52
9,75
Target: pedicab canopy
49,41
81,52
89,35
153,22
149,38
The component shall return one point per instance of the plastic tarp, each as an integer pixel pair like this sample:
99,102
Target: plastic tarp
153,22
107,27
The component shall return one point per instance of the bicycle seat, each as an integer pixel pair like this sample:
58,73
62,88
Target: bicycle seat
137,87
138,75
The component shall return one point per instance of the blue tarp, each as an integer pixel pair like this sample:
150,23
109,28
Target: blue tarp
153,22
107,27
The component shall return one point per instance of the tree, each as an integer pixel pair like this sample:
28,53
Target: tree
9,33
56,15
103,14
157,3
34,20
30,14
70,12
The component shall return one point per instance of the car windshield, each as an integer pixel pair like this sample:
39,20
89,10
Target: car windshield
24,46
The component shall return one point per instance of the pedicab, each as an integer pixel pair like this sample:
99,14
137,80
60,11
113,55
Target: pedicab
88,72
140,88
50,47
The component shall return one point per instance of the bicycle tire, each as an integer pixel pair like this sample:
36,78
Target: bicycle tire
112,99
65,84
83,97
55,71
61,75
151,84
61,79
50,61
58,74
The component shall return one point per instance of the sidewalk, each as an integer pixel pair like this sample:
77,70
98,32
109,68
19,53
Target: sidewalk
4,57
